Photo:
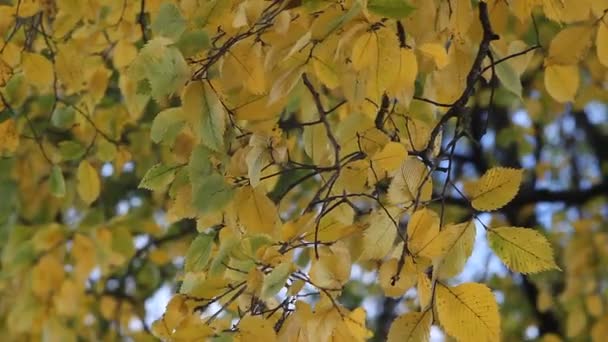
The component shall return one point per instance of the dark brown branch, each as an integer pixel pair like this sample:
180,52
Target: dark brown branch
458,107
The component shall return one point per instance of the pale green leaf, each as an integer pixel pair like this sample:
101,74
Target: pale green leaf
396,9
169,22
199,252
158,177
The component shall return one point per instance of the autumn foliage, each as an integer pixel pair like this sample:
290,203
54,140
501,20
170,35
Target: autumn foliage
280,165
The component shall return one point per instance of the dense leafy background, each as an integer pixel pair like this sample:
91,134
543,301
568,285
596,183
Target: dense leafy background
303,170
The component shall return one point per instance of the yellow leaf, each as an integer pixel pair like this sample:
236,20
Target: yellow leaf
561,82
88,182
390,157
5,73
521,249
396,287
451,248
284,84
424,290
38,70
468,312
576,321
411,182
601,43
255,328
379,236
544,301
256,212
9,137
497,187
175,312
594,304
354,326
407,71
364,50
332,269
192,328
436,52
413,326
570,45
124,53
47,276
599,331
421,230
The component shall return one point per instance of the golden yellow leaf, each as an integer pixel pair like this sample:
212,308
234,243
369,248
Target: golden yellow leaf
5,73
436,52
256,212
497,187
561,82
379,236
404,280
407,71
413,326
411,182
594,304
576,321
468,312
521,249
332,269
390,157
9,137
451,248
544,301
88,182
364,50
424,290
38,70
255,328
47,276
570,45
124,53
421,230
599,331
601,43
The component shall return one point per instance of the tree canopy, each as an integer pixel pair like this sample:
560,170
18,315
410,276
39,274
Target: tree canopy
303,170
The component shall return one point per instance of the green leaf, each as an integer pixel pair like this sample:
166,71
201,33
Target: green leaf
220,259
163,66
122,241
396,9
158,177
199,252
56,182
167,125
63,117
509,78
275,280
191,43
200,164
71,150
213,121
169,22
211,193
